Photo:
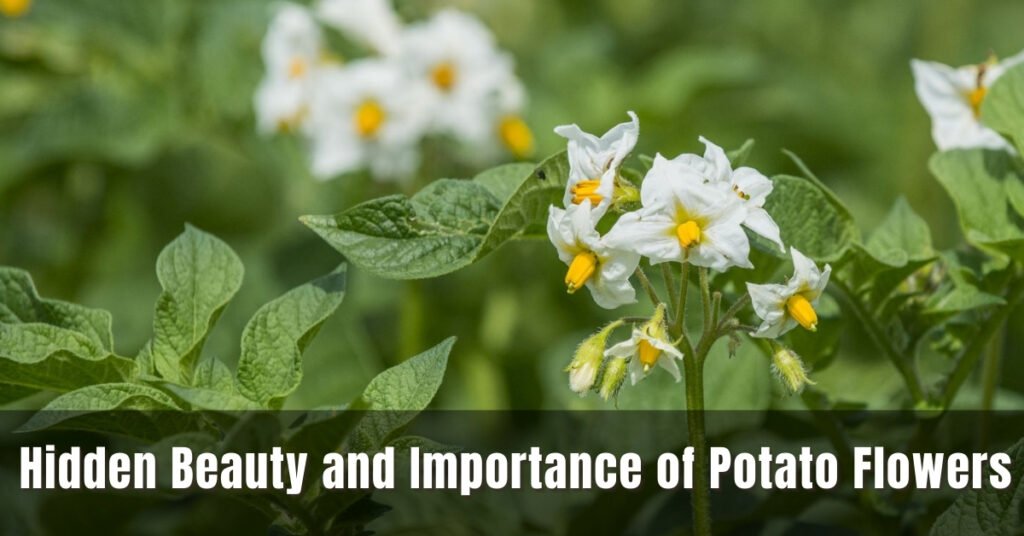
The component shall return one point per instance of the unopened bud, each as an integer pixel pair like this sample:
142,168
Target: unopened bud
625,196
615,371
790,370
586,363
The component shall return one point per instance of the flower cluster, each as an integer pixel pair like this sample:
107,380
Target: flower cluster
443,76
694,210
953,98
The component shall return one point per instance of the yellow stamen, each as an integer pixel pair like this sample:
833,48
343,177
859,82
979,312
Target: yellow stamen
369,118
802,311
974,98
688,233
14,8
297,68
648,354
444,75
581,269
516,135
586,189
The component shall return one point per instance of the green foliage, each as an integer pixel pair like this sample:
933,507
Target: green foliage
1003,107
988,511
810,219
449,224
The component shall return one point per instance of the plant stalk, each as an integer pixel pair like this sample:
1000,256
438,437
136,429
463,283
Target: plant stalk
700,495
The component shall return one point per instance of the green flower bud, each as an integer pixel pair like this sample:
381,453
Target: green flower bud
586,363
790,370
615,372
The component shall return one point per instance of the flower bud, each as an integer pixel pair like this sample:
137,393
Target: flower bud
615,371
625,196
790,370
586,363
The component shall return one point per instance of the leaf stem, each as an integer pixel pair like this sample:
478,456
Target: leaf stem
705,298
904,365
670,287
733,310
679,324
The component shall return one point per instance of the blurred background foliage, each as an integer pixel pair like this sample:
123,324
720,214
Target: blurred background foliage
122,120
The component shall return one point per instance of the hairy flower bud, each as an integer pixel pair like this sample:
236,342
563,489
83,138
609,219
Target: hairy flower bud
790,370
586,363
615,371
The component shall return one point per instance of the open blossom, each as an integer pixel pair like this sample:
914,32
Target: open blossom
292,51
684,219
363,116
603,269
953,98
594,162
372,23
648,346
783,307
455,55
750,185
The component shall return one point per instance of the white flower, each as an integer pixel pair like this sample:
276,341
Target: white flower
292,51
747,183
684,219
365,114
373,23
953,98
604,270
646,347
594,162
782,307
456,57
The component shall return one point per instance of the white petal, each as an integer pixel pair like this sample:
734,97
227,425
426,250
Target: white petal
761,223
724,245
617,264
626,348
611,294
720,166
647,233
767,299
636,371
752,183
804,269
671,366
819,288
560,234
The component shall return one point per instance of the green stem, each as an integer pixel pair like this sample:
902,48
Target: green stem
905,366
705,298
670,287
646,284
990,372
700,496
679,325
410,320
969,357
733,310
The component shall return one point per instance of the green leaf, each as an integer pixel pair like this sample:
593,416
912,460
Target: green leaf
738,157
988,511
270,366
211,399
1003,107
199,274
121,408
449,224
395,396
810,219
902,237
20,303
1015,194
975,179
48,357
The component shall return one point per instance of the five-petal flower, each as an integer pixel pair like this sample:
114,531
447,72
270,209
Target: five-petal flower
594,162
783,307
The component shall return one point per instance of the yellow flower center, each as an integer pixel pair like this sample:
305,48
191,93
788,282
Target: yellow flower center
802,311
516,135
14,8
586,189
297,68
444,75
581,269
688,233
974,98
649,354
369,118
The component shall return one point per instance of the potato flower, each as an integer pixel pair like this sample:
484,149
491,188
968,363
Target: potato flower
362,115
594,162
372,23
292,51
750,185
648,346
683,218
953,98
605,270
783,307
455,56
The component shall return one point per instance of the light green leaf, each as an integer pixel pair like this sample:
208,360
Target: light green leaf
987,511
270,366
1015,194
20,303
449,224
395,396
212,373
48,357
121,408
199,274
738,157
810,219
211,399
1003,107
975,179
903,236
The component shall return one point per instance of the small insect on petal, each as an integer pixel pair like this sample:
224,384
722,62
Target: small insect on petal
688,233
802,311
580,271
